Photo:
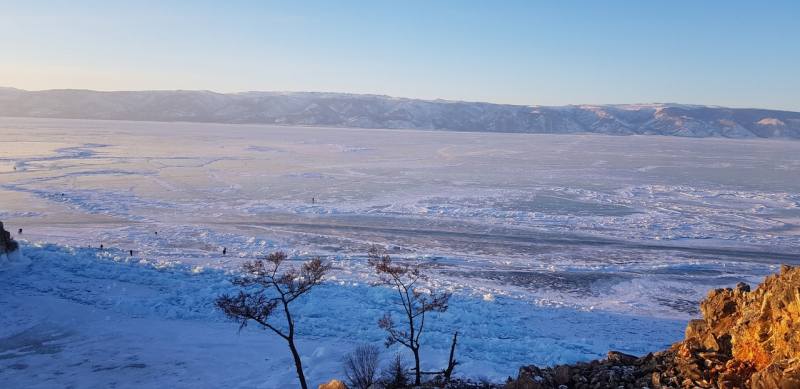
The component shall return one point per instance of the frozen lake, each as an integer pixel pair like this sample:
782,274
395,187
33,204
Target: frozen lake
624,233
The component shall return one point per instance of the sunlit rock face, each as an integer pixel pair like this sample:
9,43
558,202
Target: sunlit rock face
768,333
759,327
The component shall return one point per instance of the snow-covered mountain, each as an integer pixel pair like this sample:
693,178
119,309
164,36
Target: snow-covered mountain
374,111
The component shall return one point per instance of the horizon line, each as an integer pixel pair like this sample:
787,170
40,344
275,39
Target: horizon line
397,98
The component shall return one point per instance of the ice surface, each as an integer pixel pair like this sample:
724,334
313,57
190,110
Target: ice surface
557,248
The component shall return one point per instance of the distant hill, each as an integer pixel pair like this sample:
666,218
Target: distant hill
373,111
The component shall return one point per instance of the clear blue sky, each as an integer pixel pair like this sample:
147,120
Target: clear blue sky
730,53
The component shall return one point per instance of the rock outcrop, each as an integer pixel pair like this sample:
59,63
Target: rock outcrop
334,384
746,340
8,247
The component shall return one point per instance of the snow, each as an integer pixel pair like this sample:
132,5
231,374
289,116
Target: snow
551,256
109,318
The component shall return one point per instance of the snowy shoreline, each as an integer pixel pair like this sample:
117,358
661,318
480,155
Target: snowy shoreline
126,295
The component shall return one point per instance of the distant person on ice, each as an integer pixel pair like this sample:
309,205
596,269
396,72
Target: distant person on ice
101,247
224,250
20,231
131,253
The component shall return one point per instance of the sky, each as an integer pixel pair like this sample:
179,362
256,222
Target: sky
727,53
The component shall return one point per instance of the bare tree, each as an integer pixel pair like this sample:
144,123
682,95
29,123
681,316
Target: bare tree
361,365
414,301
267,293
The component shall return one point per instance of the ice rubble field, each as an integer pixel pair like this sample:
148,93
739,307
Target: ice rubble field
557,248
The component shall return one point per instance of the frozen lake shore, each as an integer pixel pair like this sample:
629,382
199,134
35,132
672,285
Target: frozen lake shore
557,248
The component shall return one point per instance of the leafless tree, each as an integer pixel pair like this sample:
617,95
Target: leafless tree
361,365
266,293
415,302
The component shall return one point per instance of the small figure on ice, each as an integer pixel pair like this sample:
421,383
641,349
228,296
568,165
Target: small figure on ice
20,232
101,247
131,253
224,250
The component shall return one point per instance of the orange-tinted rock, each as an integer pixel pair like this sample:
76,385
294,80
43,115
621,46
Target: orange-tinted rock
334,384
769,327
767,378
756,328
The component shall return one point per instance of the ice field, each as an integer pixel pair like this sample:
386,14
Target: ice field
557,248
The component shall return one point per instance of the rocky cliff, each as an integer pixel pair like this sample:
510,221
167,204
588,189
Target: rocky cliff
8,247
746,339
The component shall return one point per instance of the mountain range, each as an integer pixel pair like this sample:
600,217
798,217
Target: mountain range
376,111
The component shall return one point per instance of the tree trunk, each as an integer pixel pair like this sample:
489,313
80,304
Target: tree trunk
299,364
417,380
452,363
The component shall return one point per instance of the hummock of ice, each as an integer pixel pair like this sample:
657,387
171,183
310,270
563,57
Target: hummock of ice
14,256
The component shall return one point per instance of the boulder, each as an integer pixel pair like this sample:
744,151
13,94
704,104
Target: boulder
529,377
617,358
767,378
562,375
